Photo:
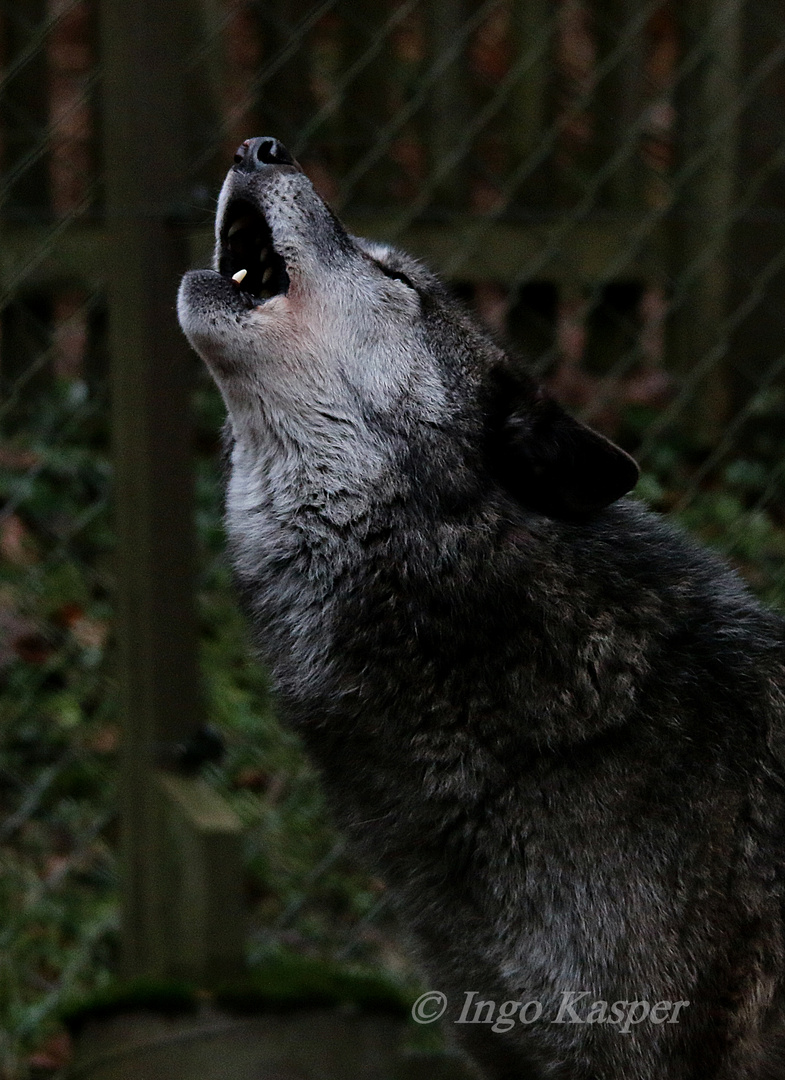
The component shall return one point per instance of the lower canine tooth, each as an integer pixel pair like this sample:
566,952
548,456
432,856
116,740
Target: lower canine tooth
267,275
238,277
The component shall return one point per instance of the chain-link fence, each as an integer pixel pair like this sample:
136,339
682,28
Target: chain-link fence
604,181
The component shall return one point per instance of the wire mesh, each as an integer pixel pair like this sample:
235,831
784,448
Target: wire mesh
602,180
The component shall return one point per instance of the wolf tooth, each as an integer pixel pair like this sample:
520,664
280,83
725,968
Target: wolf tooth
551,722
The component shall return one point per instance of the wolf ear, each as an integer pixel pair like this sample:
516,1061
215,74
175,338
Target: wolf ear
551,462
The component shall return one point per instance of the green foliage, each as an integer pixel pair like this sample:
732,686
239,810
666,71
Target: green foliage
57,724
738,508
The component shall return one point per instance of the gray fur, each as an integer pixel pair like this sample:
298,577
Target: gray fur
552,723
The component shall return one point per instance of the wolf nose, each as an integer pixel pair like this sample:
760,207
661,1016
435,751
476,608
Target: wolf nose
254,153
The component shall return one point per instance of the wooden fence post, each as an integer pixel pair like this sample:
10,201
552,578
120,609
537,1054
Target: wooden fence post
145,48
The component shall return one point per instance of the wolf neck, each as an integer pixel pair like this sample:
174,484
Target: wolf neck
315,469
298,502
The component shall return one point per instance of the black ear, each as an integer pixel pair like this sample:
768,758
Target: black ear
551,462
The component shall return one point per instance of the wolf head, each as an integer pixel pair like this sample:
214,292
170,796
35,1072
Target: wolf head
344,351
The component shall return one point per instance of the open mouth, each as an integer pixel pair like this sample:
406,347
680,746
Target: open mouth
248,256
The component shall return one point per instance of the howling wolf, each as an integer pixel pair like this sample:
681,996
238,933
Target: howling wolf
549,721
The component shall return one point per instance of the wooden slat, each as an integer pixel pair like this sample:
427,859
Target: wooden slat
613,323
704,180
619,101
450,104
531,109
285,100
758,237
366,53
24,109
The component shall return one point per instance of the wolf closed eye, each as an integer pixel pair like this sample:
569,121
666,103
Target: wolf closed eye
551,722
